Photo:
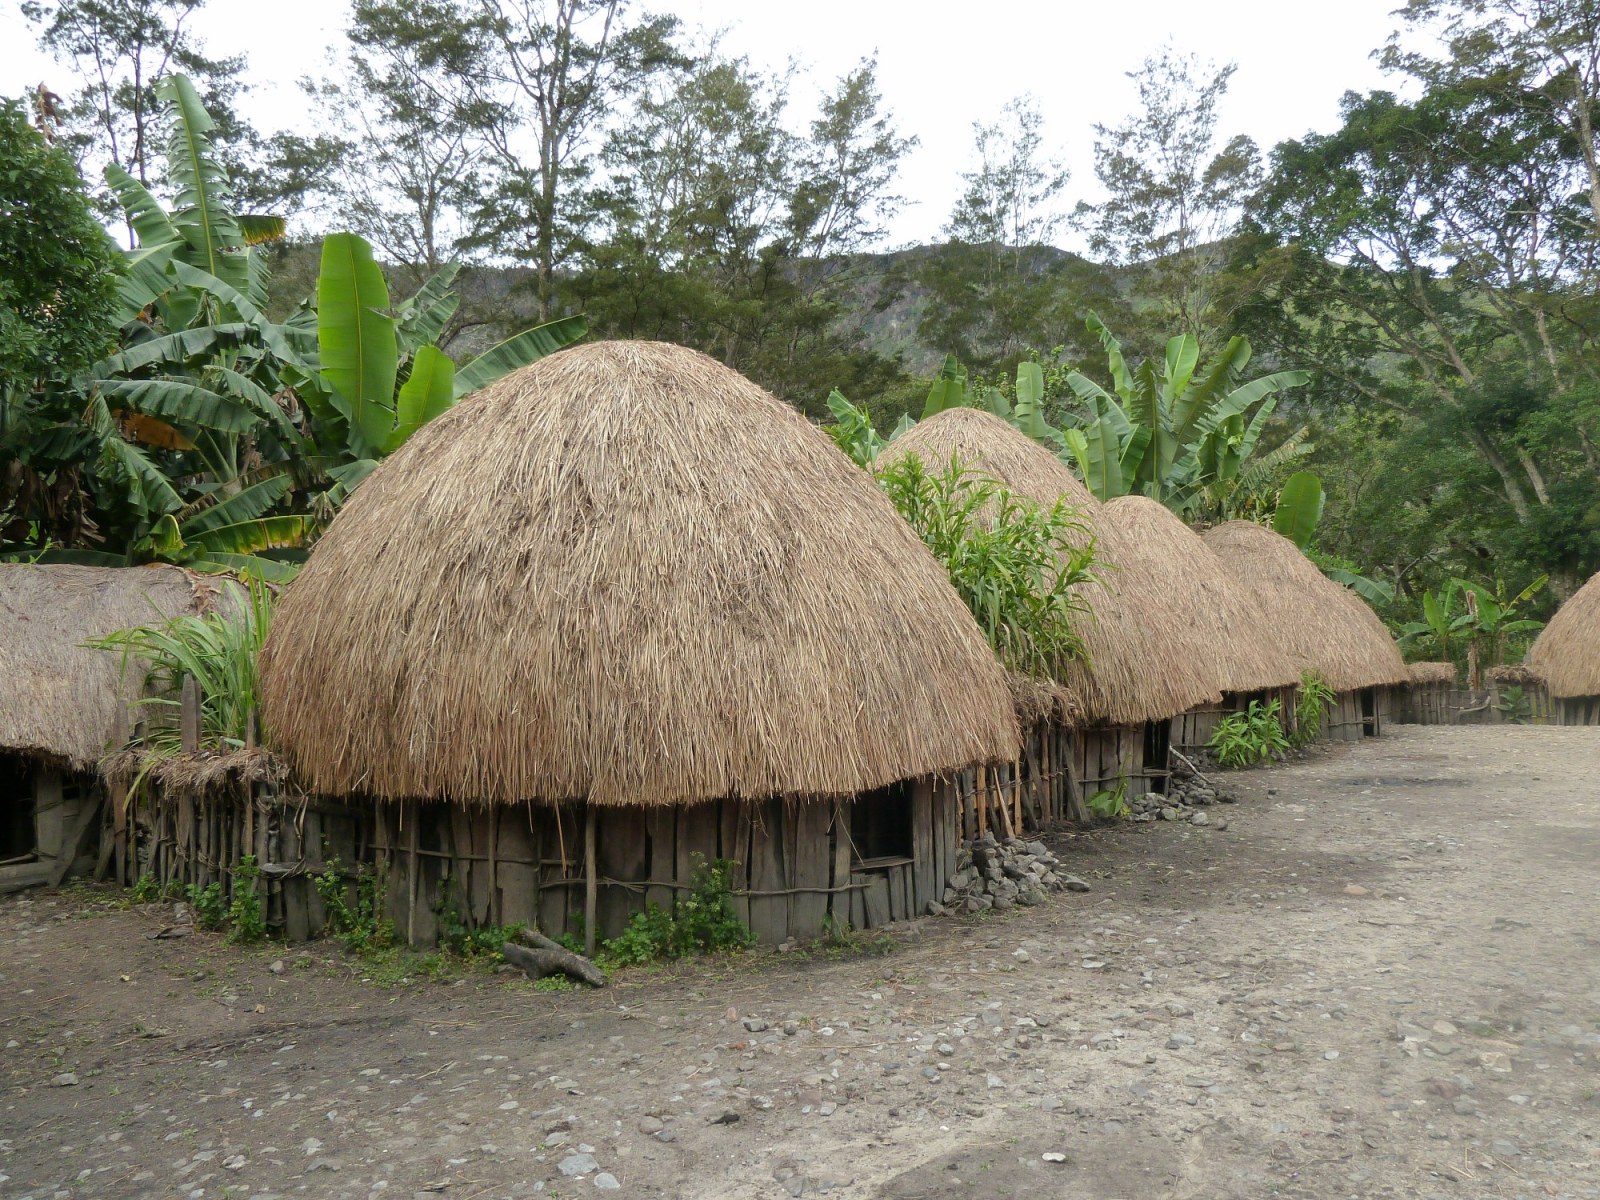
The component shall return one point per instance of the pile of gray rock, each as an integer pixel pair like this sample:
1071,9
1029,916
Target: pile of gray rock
1185,799
1002,874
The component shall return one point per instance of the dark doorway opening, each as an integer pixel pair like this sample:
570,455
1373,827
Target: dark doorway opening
880,823
1369,712
17,836
1157,752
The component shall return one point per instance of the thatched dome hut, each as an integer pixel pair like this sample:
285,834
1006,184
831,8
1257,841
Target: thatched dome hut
62,701
61,697
624,574
1227,620
1324,626
629,586
1147,655
1567,656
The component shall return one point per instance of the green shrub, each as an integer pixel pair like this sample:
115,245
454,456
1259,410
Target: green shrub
355,912
1246,738
1310,709
210,909
457,936
1514,706
1110,804
147,889
704,921
245,923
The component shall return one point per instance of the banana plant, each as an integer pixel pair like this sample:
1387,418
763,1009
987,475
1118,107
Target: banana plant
1490,619
1439,625
1025,411
853,432
1168,430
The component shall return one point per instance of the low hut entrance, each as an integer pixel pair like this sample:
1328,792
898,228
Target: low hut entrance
1369,712
1157,753
17,839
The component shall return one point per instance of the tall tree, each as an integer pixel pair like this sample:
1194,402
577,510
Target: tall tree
1174,189
556,71
120,50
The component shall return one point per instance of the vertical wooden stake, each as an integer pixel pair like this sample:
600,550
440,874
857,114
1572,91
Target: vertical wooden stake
981,800
411,872
189,715
494,867
117,797
591,890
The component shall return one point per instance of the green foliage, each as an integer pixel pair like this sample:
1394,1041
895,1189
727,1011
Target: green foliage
701,922
1017,566
1171,431
457,935
1110,804
219,650
355,908
209,907
147,889
1299,510
1245,738
554,983
246,924
58,270
1515,706
1311,705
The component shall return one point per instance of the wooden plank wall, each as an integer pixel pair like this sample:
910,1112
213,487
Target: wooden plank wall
1447,704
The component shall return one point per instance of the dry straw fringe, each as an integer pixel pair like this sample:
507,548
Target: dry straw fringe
1567,653
1147,660
1514,675
1233,633
625,574
1432,672
1324,626
60,698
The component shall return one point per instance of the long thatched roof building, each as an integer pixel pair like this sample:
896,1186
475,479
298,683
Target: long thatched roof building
1567,651
625,575
1148,654
1323,626
60,699
1228,621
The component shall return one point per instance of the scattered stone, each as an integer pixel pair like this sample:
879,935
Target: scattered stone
1053,1156
756,1025
65,1079
651,1125
729,1116
1355,889
577,1164
606,1182
1200,818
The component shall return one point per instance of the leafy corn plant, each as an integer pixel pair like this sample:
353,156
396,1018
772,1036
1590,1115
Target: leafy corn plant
1311,708
1246,738
219,649
1019,567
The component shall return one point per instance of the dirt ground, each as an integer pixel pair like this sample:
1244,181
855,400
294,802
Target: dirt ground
1382,978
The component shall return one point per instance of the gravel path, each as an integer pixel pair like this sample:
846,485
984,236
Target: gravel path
1382,978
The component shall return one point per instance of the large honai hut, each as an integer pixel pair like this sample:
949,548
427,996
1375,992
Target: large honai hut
1145,654
1325,627
65,705
1234,634
619,614
1566,656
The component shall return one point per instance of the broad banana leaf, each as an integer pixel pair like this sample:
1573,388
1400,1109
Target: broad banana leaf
271,570
202,212
244,505
251,537
429,392
356,340
151,492
248,390
144,280
1299,508
150,222
949,390
172,348
182,402
528,346
1028,412
423,316
260,228
1121,377
1183,354
1372,590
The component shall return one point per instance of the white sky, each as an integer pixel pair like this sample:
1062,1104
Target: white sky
941,65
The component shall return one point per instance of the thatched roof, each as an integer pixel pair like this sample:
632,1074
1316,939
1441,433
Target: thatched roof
1514,675
1567,652
1234,632
625,574
1432,672
1324,626
60,698
1147,661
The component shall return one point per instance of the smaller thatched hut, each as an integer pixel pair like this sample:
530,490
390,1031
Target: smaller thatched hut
1148,657
1325,628
65,705
618,613
1567,657
1233,633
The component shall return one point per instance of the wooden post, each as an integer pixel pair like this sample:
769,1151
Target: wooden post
411,873
117,797
591,888
980,800
189,715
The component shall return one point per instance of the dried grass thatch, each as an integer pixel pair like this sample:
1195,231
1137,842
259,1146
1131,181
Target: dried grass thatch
1567,652
1432,672
1324,626
1146,661
1513,675
625,574
1227,622
60,698
207,772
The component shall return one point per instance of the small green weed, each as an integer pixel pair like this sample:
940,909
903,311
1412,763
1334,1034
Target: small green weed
355,911
146,890
1246,738
457,936
1112,804
554,983
210,909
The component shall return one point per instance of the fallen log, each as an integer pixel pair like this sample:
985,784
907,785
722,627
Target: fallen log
541,957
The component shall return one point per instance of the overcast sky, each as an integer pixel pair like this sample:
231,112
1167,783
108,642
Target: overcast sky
940,66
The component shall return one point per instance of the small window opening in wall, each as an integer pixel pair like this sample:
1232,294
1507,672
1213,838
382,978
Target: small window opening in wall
1157,750
880,823
1369,712
17,836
